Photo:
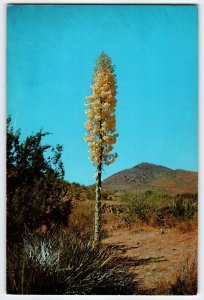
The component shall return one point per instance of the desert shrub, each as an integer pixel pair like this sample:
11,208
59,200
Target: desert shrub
36,191
158,209
82,218
143,207
184,207
62,263
186,279
82,192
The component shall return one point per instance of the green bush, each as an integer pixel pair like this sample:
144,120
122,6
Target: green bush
157,209
184,207
62,264
36,191
143,207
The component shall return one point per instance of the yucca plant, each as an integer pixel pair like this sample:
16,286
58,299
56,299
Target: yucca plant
62,264
101,127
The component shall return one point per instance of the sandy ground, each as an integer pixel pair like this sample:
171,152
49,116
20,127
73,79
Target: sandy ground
155,254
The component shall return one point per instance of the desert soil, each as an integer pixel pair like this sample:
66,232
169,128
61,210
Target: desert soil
155,254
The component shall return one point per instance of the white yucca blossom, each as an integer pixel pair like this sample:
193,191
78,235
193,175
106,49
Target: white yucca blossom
101,123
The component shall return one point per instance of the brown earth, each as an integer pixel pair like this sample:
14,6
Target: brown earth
155,254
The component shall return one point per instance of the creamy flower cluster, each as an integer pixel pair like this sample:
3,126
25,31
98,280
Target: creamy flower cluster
101,123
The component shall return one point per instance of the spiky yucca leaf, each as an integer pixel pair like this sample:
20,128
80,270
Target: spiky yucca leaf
60,263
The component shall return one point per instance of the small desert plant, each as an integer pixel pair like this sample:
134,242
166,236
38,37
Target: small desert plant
184,208
186,279
61,263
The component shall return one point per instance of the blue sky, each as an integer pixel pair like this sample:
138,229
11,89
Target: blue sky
51,53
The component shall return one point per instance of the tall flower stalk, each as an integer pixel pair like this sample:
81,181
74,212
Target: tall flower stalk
101,126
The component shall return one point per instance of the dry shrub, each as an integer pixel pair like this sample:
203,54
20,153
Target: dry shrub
187,226
110,224
186,278
82,218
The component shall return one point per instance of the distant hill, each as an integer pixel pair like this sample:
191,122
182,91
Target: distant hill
146,176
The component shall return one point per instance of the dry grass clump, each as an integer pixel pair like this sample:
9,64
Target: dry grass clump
82,218
187,226
184,282
186,278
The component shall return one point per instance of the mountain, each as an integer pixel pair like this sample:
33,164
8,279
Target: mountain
146,176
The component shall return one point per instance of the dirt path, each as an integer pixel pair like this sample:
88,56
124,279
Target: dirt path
156,255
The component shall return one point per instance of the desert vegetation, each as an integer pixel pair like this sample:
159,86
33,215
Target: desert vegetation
37,193
62,263
158,209
49,244
50,225
186,279
102,177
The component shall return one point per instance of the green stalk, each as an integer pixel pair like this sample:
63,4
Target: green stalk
97,225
